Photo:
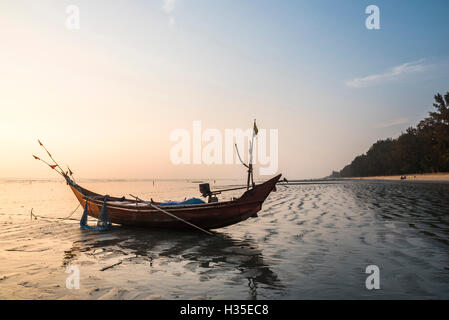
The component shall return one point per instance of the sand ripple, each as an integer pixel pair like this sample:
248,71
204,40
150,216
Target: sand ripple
310,241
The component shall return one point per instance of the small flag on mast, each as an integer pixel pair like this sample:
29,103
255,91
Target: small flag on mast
255,128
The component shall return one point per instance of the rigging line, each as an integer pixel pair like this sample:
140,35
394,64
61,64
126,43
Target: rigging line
79,204
238,154
171,215
56,218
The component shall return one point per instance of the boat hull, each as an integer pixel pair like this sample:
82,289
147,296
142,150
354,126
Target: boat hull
206,216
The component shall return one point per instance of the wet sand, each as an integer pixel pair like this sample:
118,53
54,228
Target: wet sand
309,242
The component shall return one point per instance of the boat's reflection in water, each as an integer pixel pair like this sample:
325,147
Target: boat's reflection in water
232,261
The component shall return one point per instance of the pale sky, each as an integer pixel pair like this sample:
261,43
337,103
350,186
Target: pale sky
105,98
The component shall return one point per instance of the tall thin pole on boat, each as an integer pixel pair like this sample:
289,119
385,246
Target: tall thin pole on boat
172,215
250,170
250,167
250,164
50,156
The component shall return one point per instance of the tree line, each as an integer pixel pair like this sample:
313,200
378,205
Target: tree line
420,149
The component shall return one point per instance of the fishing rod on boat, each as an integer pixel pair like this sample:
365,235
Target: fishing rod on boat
69,172
55,165
50,165
170,214
40,143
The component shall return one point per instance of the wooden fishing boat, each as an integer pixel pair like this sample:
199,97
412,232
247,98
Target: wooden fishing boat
139,213
136,212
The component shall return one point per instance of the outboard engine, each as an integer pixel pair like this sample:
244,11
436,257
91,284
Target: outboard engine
205,191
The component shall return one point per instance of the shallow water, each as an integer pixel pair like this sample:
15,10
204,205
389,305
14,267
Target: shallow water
309,242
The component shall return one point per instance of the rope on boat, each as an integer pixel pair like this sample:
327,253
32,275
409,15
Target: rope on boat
171,215
54,218
176,217
79,204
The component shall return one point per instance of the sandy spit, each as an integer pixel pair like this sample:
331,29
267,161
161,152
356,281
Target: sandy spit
436,177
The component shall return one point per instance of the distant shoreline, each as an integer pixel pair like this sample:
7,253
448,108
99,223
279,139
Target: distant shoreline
434,177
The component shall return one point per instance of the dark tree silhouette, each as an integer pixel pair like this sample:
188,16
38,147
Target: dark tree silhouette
423,149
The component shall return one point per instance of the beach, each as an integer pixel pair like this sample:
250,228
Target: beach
425,177
310,241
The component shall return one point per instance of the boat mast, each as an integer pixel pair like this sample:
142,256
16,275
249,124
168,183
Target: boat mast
250,165
250,176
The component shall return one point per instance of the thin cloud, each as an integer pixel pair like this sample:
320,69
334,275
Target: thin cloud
392,74
168,7
392,123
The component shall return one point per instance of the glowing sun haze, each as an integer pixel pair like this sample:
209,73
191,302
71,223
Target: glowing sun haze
105,98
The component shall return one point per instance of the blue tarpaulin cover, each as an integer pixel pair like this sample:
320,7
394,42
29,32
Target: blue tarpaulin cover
182,203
